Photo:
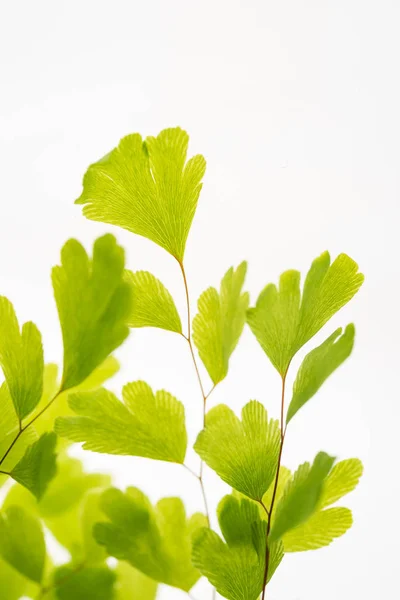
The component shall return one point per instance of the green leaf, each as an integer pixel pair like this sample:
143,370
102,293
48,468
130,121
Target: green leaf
301,496
152,304
319,530
22,542
236,568
93,304
147,424
283,321
243,453
81,584
38,465
219,323
21,358
147,188
134,585
318,365
343,479
60,407
16,584
155,540
90,514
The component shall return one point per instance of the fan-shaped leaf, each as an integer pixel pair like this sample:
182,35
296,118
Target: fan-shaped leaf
283,321
38,465
319,530
301,496
152,304
318,365
22,542
236,568
148,425
219,323
74,583
134,585
21,358
147,188
343,479
93,304
243,453
156,540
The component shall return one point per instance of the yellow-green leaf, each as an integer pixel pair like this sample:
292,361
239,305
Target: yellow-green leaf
155,540
93,303
243,453
236,568
283,320
147,188
152,304
22,542
146,424
342,480
318,365
21,358
134,585
319,530
37,467
219,323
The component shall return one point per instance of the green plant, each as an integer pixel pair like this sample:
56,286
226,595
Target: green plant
150,188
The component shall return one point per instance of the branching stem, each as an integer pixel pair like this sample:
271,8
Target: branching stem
25,427
204,395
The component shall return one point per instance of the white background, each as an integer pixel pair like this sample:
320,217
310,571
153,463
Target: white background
295,106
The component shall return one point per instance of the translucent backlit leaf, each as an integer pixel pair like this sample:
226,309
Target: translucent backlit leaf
318,365
38,465
319,530
283,320
155,540
219,323
146,424
343,479
134,585
72,583
93,303
22,542
243,453
236,568
152,304
301,496
21,358
147,188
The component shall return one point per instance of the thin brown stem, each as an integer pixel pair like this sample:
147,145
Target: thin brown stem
25,427
205,396
273,498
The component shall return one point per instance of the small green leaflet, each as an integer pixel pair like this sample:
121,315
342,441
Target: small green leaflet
22,542
9,428
283,320
326,525
319,530
342,480
147,188
301,496
219,323
38,465
16,584
146,424
318,365
236,568
93,304
21,358
243,453
152,304
88,582
155,540
134,585
96,379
